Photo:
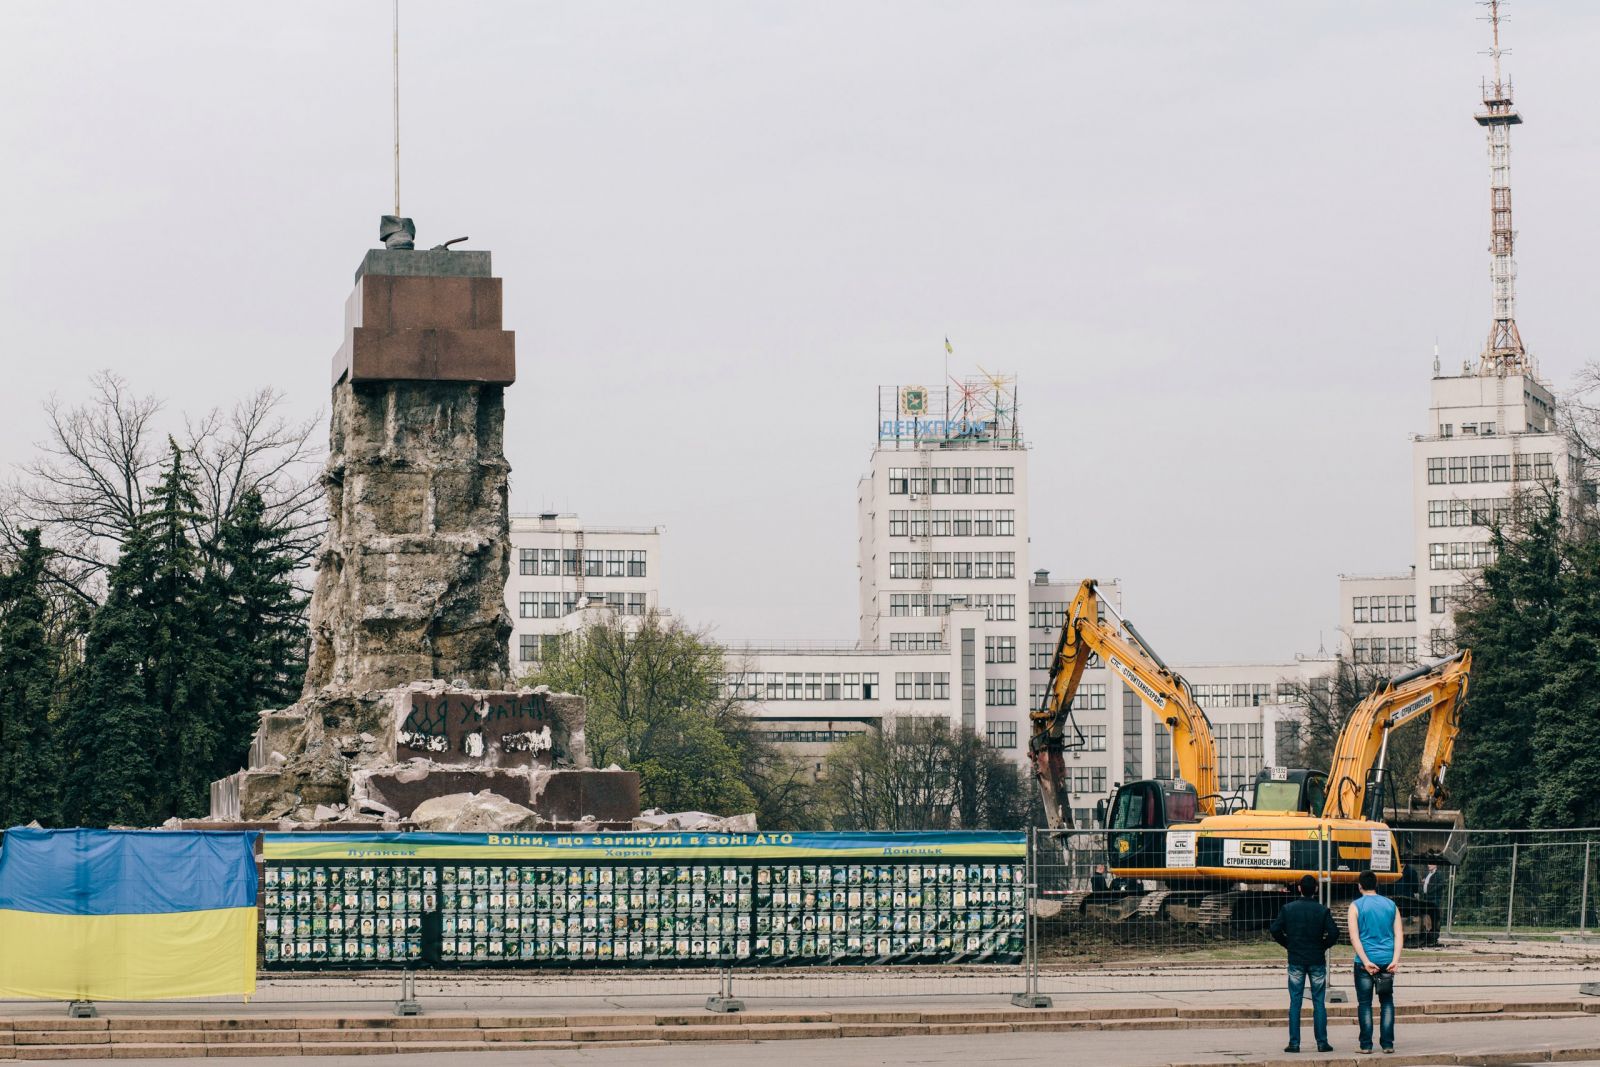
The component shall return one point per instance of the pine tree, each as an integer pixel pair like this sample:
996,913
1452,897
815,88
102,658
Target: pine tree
1507,623
188,671
146,730
261,627
1566,767
29,669
112,732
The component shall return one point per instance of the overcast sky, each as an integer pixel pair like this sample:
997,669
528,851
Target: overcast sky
1215,242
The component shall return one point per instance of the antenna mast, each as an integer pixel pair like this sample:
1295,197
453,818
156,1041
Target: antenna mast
1504,353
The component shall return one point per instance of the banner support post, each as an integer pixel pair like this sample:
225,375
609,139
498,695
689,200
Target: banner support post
724,1001
1030,997
1511,889
1325,852
407,1004
82,1009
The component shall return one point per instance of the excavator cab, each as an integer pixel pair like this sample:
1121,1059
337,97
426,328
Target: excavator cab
1290,789
1141,807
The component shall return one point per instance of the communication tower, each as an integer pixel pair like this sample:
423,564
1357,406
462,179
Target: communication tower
1504,353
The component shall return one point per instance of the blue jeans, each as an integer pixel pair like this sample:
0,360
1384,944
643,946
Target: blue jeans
1364,985
1319,1006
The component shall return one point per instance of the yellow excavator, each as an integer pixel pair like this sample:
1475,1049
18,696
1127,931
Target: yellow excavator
1222,868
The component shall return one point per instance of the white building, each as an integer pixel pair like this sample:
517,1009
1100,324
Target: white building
1491,440
952,625
952,622
559,566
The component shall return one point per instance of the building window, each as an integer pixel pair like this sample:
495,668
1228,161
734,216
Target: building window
899,523
1091,696
1133,714
1438,512
1411,607
1002,734
636,563
616,563
1458,469
902,685
1359,609
916,642
1038,696
1040,656
1000,649
526,605
1003,481
899,480
528,561
1480,468
1500,468
1005,523
869,686
1238,753
528,648
636,604
594,563
550,562
1161,742
1095,737
1047,614
1000,692
1438,557
1436,470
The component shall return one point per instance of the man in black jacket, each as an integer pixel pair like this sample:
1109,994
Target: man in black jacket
1306,929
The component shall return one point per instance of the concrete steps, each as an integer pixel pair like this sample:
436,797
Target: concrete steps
162,1037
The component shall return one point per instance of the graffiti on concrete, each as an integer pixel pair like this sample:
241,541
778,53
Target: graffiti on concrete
491,729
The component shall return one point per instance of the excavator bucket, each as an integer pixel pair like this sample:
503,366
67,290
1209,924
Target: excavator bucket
1426,836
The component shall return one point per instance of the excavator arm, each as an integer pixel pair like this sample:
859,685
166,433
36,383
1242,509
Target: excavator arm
1439,691
1085,634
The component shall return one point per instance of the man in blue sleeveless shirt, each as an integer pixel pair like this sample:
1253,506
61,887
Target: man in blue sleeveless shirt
1377,936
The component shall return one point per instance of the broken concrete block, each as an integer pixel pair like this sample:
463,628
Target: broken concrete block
565,796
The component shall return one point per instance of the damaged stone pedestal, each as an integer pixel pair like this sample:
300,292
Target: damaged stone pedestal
410,589
427,754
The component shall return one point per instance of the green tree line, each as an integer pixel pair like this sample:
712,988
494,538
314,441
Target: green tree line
659,704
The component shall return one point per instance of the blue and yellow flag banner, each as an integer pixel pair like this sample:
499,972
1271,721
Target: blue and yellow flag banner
670,846
127,914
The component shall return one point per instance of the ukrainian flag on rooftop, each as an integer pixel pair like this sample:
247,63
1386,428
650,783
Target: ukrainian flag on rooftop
127,914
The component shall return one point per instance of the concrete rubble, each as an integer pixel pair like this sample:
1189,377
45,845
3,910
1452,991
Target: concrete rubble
476,813
656,819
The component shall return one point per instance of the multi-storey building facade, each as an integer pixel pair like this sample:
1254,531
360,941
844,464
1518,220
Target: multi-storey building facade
952,622
1491,444
559,567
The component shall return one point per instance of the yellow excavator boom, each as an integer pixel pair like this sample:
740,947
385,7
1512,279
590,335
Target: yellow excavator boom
1437,690
1084,634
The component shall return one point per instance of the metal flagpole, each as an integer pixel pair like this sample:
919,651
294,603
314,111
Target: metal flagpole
397,108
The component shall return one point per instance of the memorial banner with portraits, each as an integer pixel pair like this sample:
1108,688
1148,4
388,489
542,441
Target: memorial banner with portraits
648,899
